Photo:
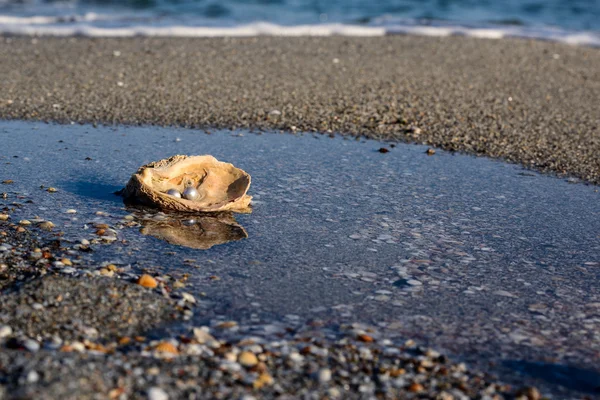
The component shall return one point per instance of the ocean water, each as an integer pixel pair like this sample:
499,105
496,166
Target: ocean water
572,21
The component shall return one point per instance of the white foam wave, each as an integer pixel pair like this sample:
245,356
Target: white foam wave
93,25
501,32
254,29
47,20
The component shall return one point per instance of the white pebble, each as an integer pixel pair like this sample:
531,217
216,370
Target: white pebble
33,376
5,331
156,393
324,375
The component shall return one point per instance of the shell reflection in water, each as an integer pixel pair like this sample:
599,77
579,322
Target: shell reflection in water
200,232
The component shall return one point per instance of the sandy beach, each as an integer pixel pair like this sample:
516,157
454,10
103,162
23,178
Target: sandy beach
531,102
476,280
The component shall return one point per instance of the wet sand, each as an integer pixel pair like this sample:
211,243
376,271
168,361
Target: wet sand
530,102
484,262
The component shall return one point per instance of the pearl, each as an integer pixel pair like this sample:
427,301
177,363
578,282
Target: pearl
190,193
174,193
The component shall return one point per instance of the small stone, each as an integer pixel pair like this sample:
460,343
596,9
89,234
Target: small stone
166,347
324,375
415,129
24,222
227,325
365,338
147,281
46,225
415,387
107,272
71,211
156,393
52,190
31,345
430,152
202,336
263,380
33,376
530,393
247,359
8,181
5,331
84,242
188,298
4,217
383,150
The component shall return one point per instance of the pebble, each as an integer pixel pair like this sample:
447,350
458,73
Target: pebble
4,217
33,376
263,380
47,225
156,393
5,331
71,211
324,375
202,335
247,359
166,347
147,281
31,345
24,222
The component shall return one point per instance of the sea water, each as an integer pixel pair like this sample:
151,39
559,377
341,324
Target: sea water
571,21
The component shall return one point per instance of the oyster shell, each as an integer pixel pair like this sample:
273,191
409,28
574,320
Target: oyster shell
221,186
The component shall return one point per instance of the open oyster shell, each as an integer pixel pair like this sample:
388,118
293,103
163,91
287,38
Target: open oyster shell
221,186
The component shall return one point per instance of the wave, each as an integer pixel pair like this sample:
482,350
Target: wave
99,25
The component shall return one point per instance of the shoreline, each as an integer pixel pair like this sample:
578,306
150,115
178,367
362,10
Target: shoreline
529,102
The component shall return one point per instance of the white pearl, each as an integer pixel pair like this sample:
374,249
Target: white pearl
174,193
190,193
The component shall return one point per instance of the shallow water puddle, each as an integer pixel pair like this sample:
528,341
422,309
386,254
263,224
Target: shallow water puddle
475,256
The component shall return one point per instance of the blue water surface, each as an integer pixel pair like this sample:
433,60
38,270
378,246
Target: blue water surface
566,14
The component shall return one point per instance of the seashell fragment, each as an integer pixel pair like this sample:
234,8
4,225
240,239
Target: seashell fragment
207,184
